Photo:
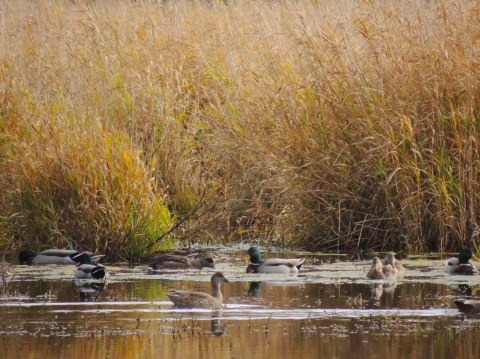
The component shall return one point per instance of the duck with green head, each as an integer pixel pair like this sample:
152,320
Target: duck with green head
86,269
53,256
189,299
272,265
462,264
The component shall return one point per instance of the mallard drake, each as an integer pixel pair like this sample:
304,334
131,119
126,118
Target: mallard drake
178,262
462,264
197,253
468,306
379,271
391,260
188,299
54,256
87,270
272,265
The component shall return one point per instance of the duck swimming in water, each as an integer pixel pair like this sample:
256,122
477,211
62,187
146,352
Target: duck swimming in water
272,265
391,260
54,256
462,264
179,262
189,299
86,269
380,271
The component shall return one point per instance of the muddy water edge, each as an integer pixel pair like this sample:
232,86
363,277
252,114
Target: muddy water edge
329,310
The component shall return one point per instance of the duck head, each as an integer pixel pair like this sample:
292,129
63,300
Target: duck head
390,259
26,256
465,255
254,254
81,258
377,264
218,279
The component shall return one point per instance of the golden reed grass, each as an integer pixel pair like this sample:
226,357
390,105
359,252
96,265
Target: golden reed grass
323,124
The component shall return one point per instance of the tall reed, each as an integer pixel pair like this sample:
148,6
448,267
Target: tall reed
337,125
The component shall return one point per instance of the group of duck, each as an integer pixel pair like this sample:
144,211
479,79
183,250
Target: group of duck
390,267
87,267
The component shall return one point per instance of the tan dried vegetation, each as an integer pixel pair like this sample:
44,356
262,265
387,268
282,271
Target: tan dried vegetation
323,124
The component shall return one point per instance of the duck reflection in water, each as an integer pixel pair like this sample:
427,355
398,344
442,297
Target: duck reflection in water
6,276
89,291
463,290
216,326
379,288
468,306
254,289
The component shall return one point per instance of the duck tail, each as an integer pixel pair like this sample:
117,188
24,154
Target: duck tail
98,272
300,263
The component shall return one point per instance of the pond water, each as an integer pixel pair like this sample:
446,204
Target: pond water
328,310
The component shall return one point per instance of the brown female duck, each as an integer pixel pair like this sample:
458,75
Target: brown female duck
379,271
189,299
391,260
179,262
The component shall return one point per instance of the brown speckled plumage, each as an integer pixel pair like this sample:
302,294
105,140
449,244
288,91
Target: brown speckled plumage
178,262
189,299
379,271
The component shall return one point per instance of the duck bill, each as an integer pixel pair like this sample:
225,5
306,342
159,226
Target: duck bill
475,258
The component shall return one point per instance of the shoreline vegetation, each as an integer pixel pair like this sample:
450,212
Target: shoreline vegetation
126,127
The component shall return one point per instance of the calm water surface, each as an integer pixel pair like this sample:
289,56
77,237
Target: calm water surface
328,311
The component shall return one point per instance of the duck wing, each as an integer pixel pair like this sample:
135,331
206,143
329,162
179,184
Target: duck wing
466,269
187,253
389,271
450,265
171,262
276,265
291,263
189,299
55,252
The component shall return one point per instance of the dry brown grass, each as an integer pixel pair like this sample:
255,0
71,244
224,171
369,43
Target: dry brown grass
343,124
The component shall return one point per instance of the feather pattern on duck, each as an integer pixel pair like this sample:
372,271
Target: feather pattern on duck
196,253
54,256
178,262
379,271
395,263
462,264
87,270
189,299
272,265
